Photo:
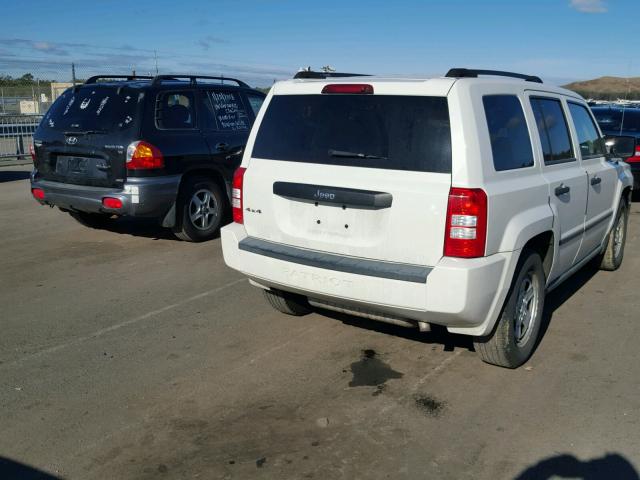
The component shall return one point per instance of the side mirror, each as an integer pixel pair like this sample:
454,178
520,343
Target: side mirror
620,146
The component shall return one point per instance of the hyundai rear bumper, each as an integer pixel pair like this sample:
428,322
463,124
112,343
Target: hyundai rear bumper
140,197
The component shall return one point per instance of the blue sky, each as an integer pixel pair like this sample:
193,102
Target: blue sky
263,40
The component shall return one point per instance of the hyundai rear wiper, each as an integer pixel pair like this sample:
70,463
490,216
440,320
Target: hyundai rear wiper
85,132
343,154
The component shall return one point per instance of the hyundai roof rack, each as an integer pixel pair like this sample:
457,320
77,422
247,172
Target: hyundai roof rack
95,78
472,73
308,74
194,79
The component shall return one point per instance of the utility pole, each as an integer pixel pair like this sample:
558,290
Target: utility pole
155,56
73,74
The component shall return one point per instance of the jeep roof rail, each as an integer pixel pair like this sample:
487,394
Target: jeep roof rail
95,78
473,73
194,79
308,74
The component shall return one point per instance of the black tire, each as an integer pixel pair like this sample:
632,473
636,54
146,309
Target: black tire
92,220
199,222
510,346
611,258
288,303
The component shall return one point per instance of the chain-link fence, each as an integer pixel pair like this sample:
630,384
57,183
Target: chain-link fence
24,99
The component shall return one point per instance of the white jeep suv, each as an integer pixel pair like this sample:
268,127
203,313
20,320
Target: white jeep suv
456,201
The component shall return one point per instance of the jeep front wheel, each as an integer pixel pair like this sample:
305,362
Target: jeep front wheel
611,259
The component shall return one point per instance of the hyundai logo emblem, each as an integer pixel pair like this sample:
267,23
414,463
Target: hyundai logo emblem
72,140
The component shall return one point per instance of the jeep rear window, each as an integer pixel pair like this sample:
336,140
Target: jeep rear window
508,132
385,131
98,108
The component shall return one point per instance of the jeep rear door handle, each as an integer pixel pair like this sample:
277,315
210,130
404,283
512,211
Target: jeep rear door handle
222,147
562,189
596,180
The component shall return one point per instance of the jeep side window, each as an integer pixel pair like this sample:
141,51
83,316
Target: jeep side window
174,110
591,144
510,141
553,130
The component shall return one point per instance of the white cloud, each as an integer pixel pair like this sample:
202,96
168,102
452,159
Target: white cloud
589,6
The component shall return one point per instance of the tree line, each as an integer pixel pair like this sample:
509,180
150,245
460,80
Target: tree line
26,79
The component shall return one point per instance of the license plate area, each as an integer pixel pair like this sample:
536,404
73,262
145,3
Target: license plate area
75,167
356,226
67,165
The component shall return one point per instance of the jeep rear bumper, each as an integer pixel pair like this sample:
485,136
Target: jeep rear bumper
465,295
140,197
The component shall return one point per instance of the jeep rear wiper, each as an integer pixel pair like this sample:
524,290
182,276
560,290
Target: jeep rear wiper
343,154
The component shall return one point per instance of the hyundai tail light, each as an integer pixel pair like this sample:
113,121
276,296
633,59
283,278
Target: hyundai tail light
142,155
37,193
636,156
111,202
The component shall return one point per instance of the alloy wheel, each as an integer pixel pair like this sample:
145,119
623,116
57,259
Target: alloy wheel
203,209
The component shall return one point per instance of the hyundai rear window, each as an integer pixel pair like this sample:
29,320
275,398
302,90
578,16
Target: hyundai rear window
98,109
374,131
612,121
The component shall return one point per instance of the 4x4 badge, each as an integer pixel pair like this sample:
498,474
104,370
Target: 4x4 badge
72,140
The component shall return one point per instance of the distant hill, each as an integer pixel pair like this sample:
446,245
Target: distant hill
608,88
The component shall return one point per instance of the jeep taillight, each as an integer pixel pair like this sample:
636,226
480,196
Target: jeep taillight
142,155
466,230
236,195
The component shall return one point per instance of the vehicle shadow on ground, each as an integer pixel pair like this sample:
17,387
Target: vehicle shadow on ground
450,341
142,227
610,466
138,227
12,470
13,176
437,335
563,293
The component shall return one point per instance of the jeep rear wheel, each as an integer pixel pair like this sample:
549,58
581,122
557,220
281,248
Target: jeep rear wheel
516,333
287,303
200,210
